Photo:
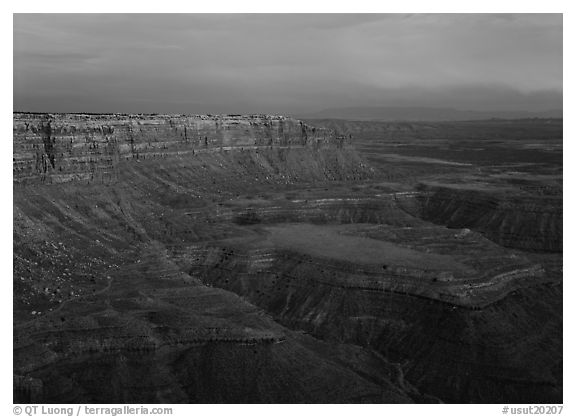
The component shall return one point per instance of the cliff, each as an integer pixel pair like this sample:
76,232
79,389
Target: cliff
53,148
523,221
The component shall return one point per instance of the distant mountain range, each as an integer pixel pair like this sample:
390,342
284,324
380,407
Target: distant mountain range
430,114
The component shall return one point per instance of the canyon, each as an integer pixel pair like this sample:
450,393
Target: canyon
263,259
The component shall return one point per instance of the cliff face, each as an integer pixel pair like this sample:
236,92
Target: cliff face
523,221
54,148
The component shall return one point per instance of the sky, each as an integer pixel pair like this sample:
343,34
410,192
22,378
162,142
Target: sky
285,63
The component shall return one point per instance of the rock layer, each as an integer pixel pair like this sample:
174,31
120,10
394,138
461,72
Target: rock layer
67,147
524,221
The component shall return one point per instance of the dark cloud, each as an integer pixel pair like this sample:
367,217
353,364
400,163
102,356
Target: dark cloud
286,63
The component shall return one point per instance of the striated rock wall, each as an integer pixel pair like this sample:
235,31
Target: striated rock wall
525,222
52,148
490,341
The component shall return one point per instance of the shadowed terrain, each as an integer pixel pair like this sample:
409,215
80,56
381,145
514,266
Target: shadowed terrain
166,258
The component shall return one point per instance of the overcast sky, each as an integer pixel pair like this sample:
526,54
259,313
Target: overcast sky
291,64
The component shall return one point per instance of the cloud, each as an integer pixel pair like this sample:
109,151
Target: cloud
284,63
